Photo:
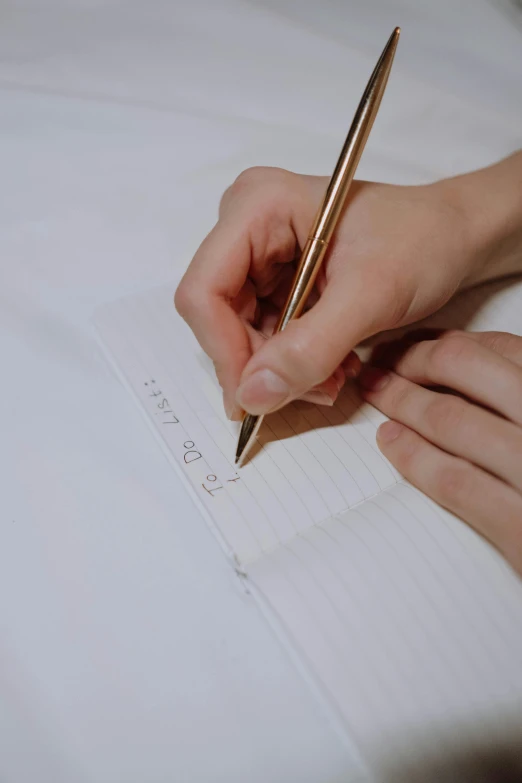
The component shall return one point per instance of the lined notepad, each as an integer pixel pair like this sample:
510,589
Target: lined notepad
311,463
409,623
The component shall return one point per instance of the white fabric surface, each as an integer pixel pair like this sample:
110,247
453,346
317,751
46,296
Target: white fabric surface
128,651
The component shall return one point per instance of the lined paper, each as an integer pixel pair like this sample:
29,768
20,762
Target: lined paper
312,462
409,620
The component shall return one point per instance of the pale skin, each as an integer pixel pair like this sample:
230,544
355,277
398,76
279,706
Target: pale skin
398,255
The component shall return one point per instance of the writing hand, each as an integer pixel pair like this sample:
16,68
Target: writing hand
465,453
398,254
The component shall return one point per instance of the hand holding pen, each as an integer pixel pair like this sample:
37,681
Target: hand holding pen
397,255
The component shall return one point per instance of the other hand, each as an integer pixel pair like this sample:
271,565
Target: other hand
463,451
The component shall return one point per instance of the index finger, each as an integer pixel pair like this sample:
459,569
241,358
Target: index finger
203,298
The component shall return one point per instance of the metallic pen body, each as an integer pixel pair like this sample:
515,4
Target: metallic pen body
329,213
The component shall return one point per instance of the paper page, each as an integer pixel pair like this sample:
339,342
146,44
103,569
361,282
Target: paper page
312,462
410,621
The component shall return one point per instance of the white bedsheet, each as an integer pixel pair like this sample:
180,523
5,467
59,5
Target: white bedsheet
128,651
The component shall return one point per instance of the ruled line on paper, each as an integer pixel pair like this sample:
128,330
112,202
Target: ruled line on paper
400,621
307,467
311,462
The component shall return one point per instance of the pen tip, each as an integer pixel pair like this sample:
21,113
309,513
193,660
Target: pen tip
247,435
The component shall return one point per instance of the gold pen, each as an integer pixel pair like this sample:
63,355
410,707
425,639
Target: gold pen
329,212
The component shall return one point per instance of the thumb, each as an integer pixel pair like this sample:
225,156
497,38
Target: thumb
308,351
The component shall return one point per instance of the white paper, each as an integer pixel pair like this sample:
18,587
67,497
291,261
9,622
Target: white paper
311,463
405,618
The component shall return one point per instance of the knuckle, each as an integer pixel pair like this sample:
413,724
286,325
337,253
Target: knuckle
269,181
253,177
502,342
247,179
444,414
399,397
250,176
185,300
453,484
449,350
226,198
452,333
243,182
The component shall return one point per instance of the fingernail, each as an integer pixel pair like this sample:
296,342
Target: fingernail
232,409
373,378
352,365
234,412
389,431
318,398
262,392
339,377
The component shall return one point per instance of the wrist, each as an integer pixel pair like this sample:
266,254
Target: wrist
489,202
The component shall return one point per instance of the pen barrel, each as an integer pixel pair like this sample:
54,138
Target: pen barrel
328,214
309,265
334,199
